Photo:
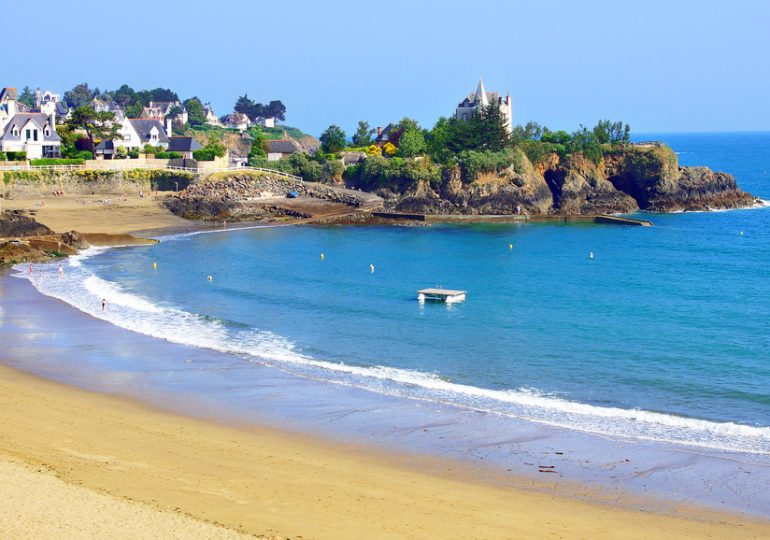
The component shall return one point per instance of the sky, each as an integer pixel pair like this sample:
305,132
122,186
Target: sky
661,66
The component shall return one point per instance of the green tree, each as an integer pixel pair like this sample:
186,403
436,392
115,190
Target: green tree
556,137
332,140
124,96
97,125
79,96
195,114
257,150
27,97
437,141
494,135
412,142
275,109
532,131
363,135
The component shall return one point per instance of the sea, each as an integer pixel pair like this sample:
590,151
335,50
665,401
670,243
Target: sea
637,337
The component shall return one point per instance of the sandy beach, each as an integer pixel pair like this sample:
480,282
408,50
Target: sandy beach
78,464
99,463
110,214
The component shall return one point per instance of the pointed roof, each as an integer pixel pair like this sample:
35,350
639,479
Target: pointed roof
481,95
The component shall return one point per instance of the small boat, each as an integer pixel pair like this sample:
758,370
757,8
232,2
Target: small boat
292,194
441,295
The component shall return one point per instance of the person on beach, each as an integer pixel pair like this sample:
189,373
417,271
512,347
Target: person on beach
61,270
104,304
30,268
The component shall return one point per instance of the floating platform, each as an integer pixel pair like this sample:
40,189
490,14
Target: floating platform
440,295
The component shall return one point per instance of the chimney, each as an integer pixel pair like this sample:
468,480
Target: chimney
379,131
169,126
52,120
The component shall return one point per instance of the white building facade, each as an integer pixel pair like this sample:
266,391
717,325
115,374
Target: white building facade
480,99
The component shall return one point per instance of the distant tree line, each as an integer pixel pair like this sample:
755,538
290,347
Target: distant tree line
252,109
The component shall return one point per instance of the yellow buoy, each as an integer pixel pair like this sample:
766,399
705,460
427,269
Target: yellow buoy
322,256
510,246
154,265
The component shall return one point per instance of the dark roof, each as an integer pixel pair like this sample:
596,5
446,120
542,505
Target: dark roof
385,135
20,120
61,108
283,146
106,145
182,144
144,126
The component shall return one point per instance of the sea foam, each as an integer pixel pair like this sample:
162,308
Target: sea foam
83,289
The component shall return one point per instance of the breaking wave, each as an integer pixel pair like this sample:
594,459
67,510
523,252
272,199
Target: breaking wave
83,289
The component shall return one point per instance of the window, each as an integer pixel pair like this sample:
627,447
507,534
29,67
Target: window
34,134
28,134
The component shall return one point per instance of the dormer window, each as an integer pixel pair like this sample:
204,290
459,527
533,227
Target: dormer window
15,131
47,132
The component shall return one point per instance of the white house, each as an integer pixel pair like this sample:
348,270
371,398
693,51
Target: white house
268,122
8,106
136,132
211,118
237,121
480,99
33,133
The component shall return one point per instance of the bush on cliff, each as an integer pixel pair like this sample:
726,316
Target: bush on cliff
378,172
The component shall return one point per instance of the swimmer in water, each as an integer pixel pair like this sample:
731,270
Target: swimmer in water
104,304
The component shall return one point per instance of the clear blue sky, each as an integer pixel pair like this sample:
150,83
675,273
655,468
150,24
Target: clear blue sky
659,65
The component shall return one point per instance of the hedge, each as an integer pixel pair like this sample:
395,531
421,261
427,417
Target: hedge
16,156
169,155
55,161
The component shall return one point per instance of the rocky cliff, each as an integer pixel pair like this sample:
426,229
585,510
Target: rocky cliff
623,181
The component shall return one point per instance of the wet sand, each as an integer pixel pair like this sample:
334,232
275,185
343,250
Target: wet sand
265,482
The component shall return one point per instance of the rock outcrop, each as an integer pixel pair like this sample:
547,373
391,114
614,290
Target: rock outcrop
253,196
15,224
625,181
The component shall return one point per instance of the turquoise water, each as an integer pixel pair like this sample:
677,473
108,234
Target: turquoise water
663,335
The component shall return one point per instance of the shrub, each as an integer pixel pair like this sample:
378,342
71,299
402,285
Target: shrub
133,153
3,157
373,150
472,163
17,156
55,161
204,154
169,155
390,149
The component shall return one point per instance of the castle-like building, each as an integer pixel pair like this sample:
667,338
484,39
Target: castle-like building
480,99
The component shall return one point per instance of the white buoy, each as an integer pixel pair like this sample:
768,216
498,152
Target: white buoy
371,268
322,256
590,254
211,278
741,233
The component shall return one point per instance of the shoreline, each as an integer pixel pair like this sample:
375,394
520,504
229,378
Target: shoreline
502,452
268,482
